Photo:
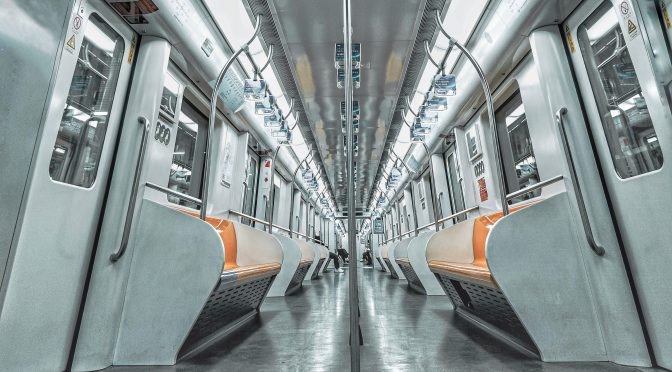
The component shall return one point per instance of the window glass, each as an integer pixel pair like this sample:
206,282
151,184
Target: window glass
76,154
188,155
520,166
169,96
629,131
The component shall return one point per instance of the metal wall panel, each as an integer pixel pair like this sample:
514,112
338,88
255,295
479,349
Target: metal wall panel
27,68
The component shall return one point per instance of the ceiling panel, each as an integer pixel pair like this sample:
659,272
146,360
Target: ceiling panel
309,29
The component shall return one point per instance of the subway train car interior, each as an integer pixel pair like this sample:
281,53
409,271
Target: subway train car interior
335,185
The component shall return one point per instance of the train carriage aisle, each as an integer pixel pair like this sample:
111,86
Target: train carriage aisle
335,185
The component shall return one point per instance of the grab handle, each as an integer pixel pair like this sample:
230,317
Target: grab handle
114,257
559,119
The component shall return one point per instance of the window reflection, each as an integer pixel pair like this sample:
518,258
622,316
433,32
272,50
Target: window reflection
188,155
520,165
79,143
628,127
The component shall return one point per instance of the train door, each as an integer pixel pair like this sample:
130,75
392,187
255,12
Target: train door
250,186
623,73
455,183
66,190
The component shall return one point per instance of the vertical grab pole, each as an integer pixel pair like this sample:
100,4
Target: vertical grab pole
352,225
271,193
291,204
205,186
491,111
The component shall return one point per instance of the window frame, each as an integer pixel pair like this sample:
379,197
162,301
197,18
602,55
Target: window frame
114,93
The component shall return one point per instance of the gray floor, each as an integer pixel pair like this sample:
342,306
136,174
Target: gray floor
402,331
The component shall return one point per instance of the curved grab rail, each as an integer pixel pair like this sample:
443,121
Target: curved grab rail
590,237
490,107
205,185
130,212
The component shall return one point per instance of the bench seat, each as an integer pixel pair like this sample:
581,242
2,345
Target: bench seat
459,250
254,271
466,271
252,260
457,257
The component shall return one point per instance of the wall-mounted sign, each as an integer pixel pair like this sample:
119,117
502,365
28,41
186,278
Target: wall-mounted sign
482,189
378,227
473,142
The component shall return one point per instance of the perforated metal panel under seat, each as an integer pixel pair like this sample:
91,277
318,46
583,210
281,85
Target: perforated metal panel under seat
487,304
449,289
393,272
316,272
413,280
227,303
297,279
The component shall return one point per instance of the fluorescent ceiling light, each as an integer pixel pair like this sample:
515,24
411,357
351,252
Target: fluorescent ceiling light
188,122
98,38
602,26
513,116
171,84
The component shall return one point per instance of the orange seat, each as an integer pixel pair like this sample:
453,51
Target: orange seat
227,233
404,260
476,271
256,270
465,271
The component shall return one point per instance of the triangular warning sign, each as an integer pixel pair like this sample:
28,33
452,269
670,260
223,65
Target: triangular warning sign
71,42
631,27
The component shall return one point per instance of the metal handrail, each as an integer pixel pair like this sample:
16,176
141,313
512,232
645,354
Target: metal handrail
265,223
130,212
458,214
426,226
590,237
174,193
240,214
536,186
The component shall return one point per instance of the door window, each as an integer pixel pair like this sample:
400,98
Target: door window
79,143
631,137
186,170
518,161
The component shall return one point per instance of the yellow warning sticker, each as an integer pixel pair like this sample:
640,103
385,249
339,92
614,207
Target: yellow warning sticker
71,42
666,17
628,19
132,51
570,39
